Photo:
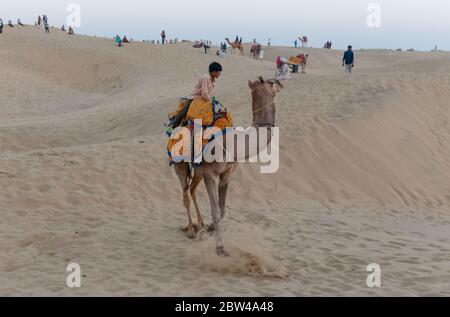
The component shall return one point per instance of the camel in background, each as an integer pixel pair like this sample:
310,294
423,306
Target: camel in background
236,45
255,51
304,40
217,175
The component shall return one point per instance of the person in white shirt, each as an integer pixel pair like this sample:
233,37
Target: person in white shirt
282,70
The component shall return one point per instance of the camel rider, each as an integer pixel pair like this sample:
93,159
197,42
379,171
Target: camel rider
203,90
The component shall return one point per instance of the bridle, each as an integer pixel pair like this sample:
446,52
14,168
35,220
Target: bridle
264,107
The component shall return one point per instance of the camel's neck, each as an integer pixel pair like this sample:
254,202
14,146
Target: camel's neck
251,143
254,142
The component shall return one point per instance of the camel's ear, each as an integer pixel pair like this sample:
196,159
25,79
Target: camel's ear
251,84
277,87
261,80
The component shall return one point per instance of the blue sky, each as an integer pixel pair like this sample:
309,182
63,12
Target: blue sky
418,24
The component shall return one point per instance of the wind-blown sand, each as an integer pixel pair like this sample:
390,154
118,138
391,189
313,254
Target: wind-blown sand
364,174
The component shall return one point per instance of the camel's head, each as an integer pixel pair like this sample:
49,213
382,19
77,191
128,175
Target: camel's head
266,88
263,95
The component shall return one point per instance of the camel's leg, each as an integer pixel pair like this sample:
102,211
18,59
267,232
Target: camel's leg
182,172
224,184
190,229
197,180
211,182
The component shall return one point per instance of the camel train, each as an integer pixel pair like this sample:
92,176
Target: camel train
217,175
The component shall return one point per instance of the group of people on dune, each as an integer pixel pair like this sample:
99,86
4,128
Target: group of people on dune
43,21
10,24
70,31
120,41
328,45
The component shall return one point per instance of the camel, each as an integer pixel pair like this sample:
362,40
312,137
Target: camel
236,45
217,175
304,41
255,51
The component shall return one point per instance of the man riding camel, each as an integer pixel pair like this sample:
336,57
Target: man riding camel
203,90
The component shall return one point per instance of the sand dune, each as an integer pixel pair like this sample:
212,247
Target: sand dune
364,174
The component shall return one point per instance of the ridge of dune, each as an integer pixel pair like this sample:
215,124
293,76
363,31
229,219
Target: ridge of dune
82,149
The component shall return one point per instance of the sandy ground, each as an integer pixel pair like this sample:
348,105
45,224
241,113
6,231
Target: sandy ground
364,175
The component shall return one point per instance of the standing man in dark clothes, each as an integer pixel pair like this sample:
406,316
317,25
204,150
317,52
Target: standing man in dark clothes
348,60
163,37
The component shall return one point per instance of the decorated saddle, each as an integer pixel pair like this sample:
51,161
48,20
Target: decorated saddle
207,114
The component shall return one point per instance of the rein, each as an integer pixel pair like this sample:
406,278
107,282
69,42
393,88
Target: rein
264,107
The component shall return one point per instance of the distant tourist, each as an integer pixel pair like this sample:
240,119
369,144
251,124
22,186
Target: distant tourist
39,21
118,41
207,47
63,28
163,37
282,72
47,27
19,22
71,32
295,43
348,60
10,24
1,26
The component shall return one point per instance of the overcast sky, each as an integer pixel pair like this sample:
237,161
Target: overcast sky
419,24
